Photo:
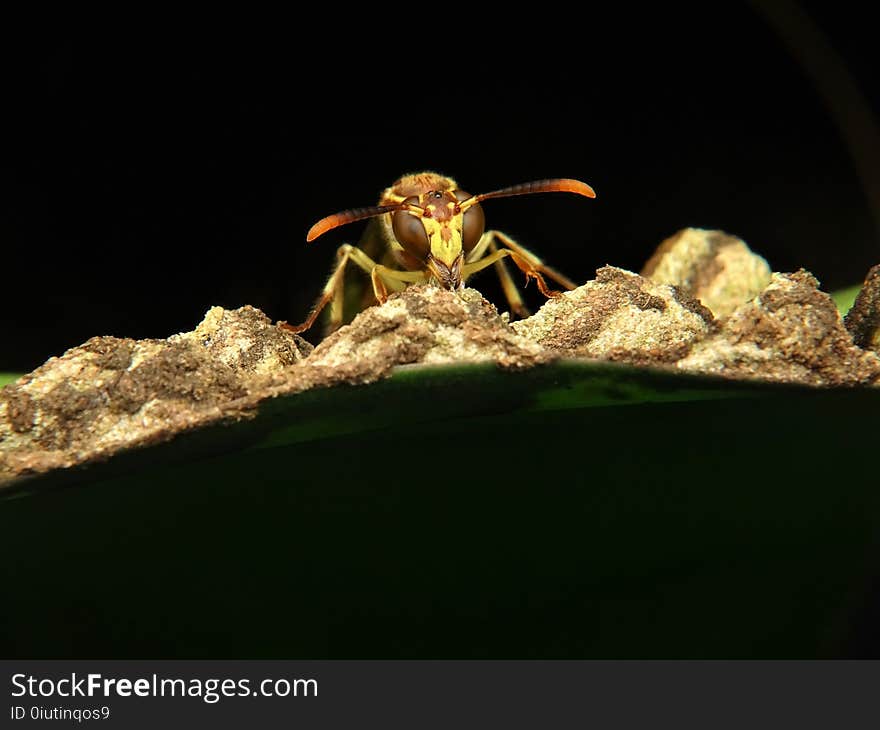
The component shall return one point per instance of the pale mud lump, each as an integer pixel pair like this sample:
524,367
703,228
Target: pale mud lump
863,320
111,394
620,316
714,267
791,332
723,315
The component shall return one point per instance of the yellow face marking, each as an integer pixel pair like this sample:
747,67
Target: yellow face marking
445,238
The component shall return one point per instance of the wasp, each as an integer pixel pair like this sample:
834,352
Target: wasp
433,231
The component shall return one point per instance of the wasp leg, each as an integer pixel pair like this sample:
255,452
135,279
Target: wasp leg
333,288
332,291
522,263
356,293
511,293
533,260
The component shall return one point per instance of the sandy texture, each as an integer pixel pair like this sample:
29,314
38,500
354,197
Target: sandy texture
112,394
863,320
430,325
791,332
620,316
718,269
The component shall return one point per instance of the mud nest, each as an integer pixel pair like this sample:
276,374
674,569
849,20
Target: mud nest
704,303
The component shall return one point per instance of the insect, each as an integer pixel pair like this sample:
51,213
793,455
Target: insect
432,231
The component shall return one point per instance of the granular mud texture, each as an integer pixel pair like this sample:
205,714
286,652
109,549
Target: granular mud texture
620,316
112,394
718,269
791,332
863,320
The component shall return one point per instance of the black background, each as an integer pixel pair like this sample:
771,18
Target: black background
152,175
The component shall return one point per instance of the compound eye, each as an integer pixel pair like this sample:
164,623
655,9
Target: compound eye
474,223
409,231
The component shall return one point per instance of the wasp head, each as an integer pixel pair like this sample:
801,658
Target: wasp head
439,228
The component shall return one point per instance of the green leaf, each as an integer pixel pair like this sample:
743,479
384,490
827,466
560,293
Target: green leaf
574,510
844,298
8,378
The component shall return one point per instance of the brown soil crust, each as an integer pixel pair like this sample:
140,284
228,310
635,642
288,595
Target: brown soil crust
712,266
112,394
791,332
863,320
620,316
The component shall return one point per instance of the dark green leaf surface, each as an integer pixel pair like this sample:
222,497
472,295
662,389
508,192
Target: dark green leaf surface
465,512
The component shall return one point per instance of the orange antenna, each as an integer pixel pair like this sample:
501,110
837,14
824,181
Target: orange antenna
556,185
356,214
345,217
